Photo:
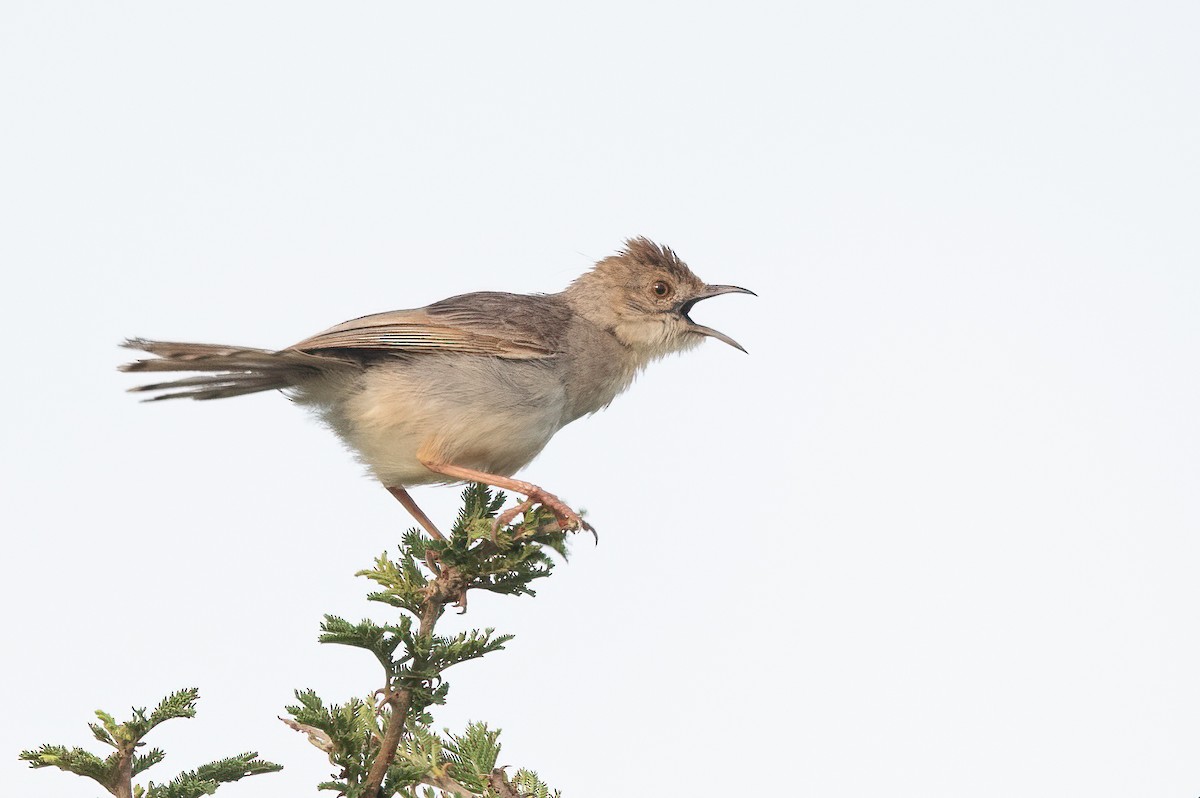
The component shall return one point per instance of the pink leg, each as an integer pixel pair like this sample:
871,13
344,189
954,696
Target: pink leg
416,512
567,518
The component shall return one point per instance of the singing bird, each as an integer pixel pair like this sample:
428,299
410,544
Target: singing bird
473,387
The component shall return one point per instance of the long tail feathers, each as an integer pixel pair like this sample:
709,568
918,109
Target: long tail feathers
236,370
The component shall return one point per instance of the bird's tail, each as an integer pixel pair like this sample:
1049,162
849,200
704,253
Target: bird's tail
233,370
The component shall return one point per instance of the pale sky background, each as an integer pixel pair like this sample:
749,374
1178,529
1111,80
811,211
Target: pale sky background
938,535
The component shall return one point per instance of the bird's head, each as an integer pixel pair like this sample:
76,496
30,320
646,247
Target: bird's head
643,295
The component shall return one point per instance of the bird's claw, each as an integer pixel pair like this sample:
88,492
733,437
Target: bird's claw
568,520
571,521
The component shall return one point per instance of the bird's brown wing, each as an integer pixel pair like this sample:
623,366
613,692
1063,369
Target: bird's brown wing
512,326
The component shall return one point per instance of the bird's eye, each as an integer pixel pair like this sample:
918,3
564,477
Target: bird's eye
661,289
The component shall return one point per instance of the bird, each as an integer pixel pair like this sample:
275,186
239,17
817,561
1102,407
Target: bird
470,388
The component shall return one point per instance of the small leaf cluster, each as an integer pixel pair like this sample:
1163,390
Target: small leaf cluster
422,658
465,764
527,784
426,765
116,771
205,779
348,733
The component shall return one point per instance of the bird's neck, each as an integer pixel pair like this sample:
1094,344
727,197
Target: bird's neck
599,367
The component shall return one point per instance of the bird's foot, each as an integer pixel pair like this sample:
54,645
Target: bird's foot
568,520
505,518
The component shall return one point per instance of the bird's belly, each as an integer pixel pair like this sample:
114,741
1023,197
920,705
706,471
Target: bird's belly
474,412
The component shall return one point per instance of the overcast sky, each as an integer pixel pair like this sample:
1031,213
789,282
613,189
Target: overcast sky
938,535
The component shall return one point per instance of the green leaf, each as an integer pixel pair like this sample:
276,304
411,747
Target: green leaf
180,704
381,641
528,784
447,651
73,760
205,779
147,760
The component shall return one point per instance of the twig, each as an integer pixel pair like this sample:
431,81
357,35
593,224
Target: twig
124,786
400,700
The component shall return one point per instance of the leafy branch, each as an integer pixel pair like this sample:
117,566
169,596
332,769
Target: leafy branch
116,771
382,745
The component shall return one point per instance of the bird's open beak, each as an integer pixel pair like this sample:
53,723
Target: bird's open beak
709,292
